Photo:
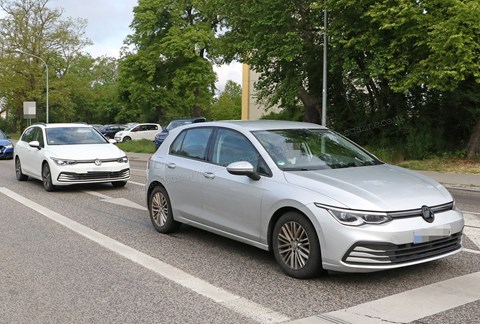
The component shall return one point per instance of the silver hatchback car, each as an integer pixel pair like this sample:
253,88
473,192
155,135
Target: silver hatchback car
314,198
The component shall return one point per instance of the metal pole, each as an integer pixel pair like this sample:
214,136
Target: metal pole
324,88
46,74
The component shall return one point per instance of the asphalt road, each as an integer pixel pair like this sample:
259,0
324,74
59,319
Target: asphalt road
89,254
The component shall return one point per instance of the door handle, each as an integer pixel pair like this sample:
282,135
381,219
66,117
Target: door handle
209,175
171,165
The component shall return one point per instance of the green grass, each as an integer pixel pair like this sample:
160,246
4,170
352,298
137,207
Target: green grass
140,146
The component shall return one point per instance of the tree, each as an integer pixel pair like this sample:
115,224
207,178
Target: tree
228,105
403,60
168,70
32,27
283,42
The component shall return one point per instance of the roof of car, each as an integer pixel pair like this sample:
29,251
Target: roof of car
56,125
253,125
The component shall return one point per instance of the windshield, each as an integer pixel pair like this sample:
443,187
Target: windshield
73,136
312,149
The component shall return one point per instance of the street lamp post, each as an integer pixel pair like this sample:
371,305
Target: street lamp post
324,87
46,73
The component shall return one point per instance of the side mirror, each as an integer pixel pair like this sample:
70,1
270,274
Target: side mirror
35,144
243,168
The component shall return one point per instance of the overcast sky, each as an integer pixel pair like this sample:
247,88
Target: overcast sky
108,25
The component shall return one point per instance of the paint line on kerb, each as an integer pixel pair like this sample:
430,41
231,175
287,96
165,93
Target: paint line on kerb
240,305
411,306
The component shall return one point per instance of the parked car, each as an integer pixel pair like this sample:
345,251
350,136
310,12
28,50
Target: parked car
66,154
160,137
109,131
137,132
313,197
6,147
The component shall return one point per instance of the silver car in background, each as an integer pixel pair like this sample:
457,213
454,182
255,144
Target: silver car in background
314,198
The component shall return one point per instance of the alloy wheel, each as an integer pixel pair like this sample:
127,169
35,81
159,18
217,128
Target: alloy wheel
293,245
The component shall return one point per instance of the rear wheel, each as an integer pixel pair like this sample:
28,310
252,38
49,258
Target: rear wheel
18,171
160,210
296,246
47,178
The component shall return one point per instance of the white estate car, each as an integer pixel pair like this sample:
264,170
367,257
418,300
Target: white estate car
139,131
65,154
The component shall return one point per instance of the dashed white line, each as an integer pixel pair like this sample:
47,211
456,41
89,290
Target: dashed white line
222,297
136,183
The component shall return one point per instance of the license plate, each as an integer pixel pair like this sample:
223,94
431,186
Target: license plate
430,234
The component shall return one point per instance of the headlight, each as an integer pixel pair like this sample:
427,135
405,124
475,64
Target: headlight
8,146
62,162
356,218
123,160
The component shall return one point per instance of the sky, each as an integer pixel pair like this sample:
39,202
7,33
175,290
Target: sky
108,24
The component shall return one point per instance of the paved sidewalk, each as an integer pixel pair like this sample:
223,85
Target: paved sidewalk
450,180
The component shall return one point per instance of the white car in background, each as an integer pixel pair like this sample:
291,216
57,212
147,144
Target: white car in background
138,132
66,154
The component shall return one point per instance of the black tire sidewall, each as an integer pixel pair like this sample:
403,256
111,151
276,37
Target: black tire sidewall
314,264
170,225
50,187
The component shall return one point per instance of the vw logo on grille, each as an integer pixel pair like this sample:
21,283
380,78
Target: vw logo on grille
427,214
98,162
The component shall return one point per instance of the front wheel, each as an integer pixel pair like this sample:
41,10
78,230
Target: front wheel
18,171
296,246
47,178
127,138
161,213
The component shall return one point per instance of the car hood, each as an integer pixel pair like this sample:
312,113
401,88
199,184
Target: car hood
85,151
5,142
374,188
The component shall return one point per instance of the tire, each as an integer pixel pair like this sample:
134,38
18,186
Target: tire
126,139
47,178
18,171
160,211
119,184
296,246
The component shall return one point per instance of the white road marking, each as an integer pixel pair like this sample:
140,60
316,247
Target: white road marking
117,201
136,183
96,194
472,228
469,212
222,297
471,251
408,306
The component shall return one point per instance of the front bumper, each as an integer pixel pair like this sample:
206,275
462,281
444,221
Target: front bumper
399,243
6,153
90,173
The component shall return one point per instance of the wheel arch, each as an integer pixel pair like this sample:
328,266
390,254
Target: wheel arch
275,217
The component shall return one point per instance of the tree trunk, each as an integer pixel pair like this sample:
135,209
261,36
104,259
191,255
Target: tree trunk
312,107
473,148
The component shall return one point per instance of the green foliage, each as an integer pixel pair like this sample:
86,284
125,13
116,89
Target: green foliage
139,146
228,105
168,73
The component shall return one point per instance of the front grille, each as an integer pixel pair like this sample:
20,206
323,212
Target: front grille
94,176
368,253
418,212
